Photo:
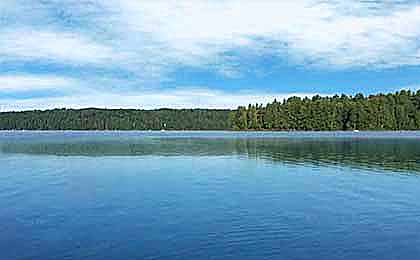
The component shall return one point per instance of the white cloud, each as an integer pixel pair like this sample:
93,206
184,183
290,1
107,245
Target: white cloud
19,83
27,44
179,98
324,33
153,38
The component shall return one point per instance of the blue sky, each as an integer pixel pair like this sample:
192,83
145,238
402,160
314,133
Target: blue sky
216,54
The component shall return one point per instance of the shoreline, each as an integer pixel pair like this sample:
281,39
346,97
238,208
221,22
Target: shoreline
220,131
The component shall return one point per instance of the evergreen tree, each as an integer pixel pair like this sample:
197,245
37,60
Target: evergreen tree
398,111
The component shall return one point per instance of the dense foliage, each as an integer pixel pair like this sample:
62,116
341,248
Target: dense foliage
116,119
399,111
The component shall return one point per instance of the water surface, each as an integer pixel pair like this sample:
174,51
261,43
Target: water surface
209,195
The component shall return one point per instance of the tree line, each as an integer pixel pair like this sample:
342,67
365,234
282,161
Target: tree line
116,119
393,111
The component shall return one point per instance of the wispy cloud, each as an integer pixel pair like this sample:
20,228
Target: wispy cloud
149,42
27,44
21,83
306,32
179,98
164,34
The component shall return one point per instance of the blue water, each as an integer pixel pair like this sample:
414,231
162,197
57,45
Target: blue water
209,195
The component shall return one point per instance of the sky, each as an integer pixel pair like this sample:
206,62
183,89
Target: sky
202,54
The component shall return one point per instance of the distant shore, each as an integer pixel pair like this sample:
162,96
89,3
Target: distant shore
380,112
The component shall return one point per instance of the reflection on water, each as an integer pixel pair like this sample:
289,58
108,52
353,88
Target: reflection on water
393,151
209,195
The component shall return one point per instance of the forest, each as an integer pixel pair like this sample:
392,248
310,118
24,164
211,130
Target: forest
397,111
116,119
393,111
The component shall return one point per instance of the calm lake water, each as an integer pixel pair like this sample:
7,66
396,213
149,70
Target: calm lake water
209,195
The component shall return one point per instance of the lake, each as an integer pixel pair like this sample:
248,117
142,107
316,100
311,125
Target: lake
209,195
